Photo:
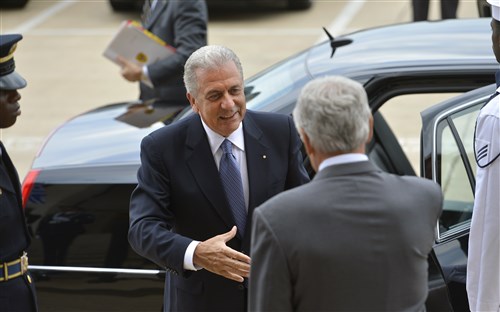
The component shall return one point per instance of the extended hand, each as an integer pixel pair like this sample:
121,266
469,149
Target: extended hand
130,71
214,256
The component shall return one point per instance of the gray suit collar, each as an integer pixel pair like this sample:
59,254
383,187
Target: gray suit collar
354,168
157,11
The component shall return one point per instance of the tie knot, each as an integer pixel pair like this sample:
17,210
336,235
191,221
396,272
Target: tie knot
227,147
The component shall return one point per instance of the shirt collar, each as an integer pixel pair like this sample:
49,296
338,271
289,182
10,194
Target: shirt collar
342,159
215,139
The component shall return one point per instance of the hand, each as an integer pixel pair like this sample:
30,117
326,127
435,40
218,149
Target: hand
130,71
214,256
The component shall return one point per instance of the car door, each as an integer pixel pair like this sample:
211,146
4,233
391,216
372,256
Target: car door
447,157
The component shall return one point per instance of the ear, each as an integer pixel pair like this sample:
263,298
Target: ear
310,151
370,133
306,141
192,101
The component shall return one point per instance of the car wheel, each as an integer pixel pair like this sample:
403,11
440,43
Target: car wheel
299,4
123,5
13,3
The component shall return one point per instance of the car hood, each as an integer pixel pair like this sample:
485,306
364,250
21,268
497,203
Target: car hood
94,138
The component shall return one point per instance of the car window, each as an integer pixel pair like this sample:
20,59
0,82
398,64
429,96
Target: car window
455,166
402,114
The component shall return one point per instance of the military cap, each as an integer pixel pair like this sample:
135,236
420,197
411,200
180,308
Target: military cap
9,79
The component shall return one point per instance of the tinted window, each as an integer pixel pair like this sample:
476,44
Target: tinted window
455,167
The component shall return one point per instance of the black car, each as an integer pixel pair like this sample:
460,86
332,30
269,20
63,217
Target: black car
77,192
134,5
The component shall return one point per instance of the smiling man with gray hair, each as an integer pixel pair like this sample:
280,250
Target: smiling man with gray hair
353,239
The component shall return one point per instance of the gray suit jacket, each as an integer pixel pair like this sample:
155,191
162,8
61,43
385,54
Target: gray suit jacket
183,25
353,239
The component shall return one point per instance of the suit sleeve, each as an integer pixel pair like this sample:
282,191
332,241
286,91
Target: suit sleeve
190,31
151,219
270,282
297,174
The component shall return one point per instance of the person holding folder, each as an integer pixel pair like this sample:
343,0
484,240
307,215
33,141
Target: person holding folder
182,25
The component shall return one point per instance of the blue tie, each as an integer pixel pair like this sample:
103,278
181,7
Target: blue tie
231,181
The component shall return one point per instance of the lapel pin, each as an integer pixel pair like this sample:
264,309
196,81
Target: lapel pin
264,156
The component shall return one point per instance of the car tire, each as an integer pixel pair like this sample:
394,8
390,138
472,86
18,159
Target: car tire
299,4
123,5
13,3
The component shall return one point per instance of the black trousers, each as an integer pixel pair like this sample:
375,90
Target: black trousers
421,9
18,295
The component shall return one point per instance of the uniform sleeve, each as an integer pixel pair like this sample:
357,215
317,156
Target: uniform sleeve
487,139
270,282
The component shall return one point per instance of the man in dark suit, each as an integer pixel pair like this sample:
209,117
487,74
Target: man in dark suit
354,238
183,212
181,24
17,291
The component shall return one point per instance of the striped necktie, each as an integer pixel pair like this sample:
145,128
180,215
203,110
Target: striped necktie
233,187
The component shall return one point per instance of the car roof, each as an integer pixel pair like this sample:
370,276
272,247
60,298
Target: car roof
445,46
96,139
433,43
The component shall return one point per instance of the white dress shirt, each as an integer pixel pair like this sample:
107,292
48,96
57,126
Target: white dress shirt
342,159
215,140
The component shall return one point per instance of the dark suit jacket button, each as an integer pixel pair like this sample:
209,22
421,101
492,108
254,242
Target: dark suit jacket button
241,287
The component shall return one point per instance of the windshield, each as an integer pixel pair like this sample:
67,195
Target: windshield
277,88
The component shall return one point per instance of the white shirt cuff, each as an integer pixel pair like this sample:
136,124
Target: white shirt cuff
188,257
145,77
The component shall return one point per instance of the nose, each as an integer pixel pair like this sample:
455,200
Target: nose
227,102
12,96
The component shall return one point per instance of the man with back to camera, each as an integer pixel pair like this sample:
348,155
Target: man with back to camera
483,262
355,238
199,181
17,291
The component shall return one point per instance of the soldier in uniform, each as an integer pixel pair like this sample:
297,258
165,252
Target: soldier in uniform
483,264
17,291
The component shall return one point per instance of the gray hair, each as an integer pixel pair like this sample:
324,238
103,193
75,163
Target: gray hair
207,57
334,113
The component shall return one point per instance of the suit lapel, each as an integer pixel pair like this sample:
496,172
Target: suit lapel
257,161
258,166
160,7
200,161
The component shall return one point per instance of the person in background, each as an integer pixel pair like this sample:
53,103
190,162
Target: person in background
343,241
421,9
200,180
182,25
17,290
483,262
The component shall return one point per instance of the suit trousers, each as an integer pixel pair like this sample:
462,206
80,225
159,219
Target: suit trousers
421,9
